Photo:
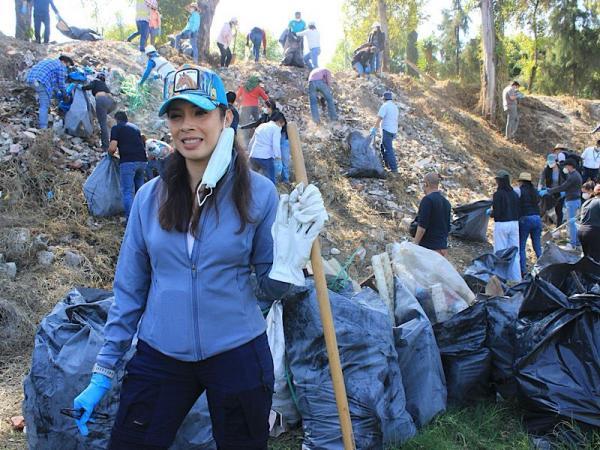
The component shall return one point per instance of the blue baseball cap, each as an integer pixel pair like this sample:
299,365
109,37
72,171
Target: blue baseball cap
197,85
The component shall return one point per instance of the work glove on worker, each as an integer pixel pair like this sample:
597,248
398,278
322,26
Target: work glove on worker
542,192
89,398
373,131
300,218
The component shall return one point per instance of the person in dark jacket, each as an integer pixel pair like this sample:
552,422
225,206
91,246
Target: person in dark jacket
267,111
126,138
105,104
589,229
530,222
552,176
236,115
256,37
505,211
433,217
363,57
572,189
377,38
183,284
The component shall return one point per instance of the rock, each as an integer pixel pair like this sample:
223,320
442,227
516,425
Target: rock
405,223
73,259
9,270
18,241
29,135
17,423
15,148
45,258
1,258
334,251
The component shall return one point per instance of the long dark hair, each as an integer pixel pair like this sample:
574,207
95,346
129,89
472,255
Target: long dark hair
503,184
178,207
529,193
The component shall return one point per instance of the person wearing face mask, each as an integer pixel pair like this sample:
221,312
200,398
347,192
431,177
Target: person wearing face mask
505,211
552,176
572,189
589,229
183,283
433,217
530,222
269,108
591,162
265,146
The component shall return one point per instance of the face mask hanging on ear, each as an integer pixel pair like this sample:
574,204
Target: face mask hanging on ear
217,164
566,171
586,195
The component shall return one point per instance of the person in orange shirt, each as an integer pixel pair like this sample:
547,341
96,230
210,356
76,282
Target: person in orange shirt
154,25
248,96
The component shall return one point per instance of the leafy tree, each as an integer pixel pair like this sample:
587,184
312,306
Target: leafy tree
454,21
412,52
341,57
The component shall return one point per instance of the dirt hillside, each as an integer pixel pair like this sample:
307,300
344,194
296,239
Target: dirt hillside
46,231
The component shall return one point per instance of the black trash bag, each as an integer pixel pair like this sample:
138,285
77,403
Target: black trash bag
79,34
481,269
471,222
419,357
466,359
502,313
580,278
369,362
292,51
195,433
553,254
66,345
363,158
557,362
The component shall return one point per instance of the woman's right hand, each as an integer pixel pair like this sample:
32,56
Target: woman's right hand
89,398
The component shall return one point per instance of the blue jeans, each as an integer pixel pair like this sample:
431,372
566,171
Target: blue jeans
256,41
158,391
377,61
265,166
285,160
154,165
362,69
572,209
193,37
529,226
143,28
322,87
38,20
311,59
387,150
43,105
132,178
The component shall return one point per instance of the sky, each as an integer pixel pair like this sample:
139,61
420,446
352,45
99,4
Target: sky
272,15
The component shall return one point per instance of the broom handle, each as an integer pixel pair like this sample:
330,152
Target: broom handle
335,366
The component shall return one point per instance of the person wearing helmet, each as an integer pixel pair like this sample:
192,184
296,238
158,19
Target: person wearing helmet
191,31
313,40
105,104
377,38
224,40
163,69
47,78
183,283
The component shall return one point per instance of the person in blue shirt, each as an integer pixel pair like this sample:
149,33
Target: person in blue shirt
183,283
191,30
126,138
297,25
163,69
48,78
41,15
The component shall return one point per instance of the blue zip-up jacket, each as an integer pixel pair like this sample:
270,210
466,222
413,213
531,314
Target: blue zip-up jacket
192,308
193,23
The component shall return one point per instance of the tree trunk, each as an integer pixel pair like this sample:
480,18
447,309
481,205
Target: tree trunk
488,74
207,10
23,23
382,9
535,45
457,36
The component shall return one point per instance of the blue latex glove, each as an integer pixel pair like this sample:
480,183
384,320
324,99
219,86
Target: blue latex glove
543,192
156,76
89,398
563,194
488,212
373,131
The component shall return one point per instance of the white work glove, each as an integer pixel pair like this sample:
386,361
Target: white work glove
293,238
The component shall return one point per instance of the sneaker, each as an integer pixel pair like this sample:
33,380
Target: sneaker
568,247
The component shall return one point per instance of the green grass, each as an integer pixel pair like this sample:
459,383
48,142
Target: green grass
485,426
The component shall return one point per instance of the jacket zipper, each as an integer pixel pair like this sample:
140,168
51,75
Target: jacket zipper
194,269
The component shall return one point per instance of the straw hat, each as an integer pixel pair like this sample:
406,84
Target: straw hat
524,176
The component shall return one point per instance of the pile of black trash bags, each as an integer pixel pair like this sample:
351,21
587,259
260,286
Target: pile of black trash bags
539,344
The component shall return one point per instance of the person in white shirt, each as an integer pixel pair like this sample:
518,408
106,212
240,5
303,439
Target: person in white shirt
313,40
510,96
387,117
591,162
265,145
224,40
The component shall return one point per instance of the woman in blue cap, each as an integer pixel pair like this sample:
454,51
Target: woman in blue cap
183,282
